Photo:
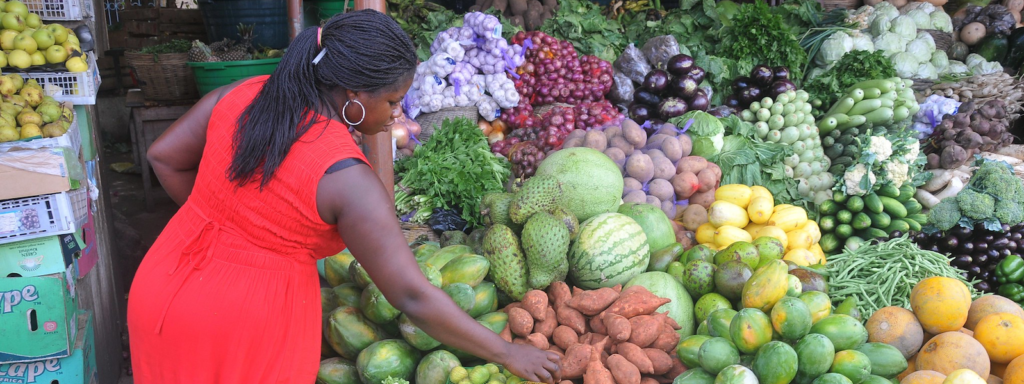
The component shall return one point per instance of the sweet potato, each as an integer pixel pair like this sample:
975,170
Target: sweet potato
636,301
535,302
636,356
617,288
667,340
587,338
591,303
597,374
518,7
663,379
558,351
564,337
660,360
571,318
596,324
677,368
512,305
506,334
663,316
565,382
601,343
499,5
520,321
622,370
575,361
558,293
644,330
618,327
538,340
521,341
549,324
648,380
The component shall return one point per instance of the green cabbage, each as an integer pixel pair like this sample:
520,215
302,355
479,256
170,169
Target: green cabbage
706,132
890,43
886,10
906,65
942,22
928,39
833,49
920,49
905,27
940,60
926,71
954,68
880,25
921,19
862,42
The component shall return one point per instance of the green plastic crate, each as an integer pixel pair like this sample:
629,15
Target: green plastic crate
210,76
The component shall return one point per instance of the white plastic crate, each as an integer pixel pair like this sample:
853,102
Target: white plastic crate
79,88
59,9
72,139
45,215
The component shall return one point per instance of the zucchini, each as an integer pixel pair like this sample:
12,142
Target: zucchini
827,223
836,169
872,93
900,113
889,190
834,151
845,161
864,106
861,221
893,207
882,85
829,243
873,203
914,226
912,206
842,106
845,139
879,116
898,225
855,120
879,220
855,204
920,218
828,207
907,191
844,217
838,197
873,233
844,231
850,151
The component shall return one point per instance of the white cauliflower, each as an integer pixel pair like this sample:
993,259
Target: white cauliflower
853,177
881,147
914,149
898,172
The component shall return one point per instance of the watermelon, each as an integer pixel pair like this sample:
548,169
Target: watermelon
337,371
610,250
435,366
591,181
387,358
652,219
664,285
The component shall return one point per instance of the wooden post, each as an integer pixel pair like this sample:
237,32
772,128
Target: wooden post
379,145
294,18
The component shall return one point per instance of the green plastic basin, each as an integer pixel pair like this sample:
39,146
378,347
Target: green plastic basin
210,76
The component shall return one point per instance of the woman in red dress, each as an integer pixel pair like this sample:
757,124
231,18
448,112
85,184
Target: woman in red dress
270,180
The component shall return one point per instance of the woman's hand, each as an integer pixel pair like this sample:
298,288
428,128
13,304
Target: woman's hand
532,364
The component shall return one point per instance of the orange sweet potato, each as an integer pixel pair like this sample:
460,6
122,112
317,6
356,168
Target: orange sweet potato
660,360
636,301
597,374
564,337
647,380
540,341
506,334
591,303
667,340
601,343
575,362
663,316
536,302
617,288
663,379
512,305
622,370
558,351
644,330
559,293
548,325
520,340
571,318
618,327
520,321
677,368
576,291
587,338
597,325
636,356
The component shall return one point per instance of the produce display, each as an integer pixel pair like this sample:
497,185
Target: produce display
26,113
224,50
670,92
974,129
984,88
29,44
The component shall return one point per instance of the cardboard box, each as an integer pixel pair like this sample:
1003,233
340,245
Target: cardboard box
37,317
38,171
90,254
79,368
38,257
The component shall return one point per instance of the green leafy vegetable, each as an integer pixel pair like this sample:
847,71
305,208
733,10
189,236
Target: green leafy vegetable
762,37
173,46
454,170
853,68
750,161
591,33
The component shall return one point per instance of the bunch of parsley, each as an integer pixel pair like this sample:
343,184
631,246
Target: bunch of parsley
853,68
758,36
591,33
454,169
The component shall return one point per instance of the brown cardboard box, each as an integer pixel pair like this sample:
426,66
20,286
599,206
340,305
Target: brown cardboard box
33,172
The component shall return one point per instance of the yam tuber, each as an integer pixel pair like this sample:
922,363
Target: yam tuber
546,327
660,360
564,337
622,370
597,374
618,327
538,340
571,318
635,301
536,303
636,356
591,303
575,362
520,322
644,330
559,293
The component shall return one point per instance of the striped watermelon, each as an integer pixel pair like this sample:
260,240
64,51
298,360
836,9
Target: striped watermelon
611,249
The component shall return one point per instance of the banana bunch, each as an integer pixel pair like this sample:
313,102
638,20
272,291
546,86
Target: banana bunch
619,7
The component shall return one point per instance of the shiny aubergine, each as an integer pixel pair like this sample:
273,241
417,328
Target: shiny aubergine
950,242
962,261
980,247
983,286
640,112
672,107
656,81
961,232
750,95
684,87
966,247
779,87
680,65
646,97
1000,243
699,101
697,74
741,83
780,73
762,75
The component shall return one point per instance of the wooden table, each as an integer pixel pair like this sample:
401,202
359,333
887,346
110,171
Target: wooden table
149,120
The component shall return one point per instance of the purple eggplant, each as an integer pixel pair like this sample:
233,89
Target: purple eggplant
697,74
750,95
680,65
684,87
672,107
762,75
732,101
780,73
646,97
741,83
779,87
962,261
656,81
700,101
640,112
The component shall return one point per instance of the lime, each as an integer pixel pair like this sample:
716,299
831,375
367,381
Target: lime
458,374
479,375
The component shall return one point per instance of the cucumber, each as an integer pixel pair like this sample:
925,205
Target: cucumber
898,225
834,151
914,226
836,169
880,220
828,207
827,141
889,190
845,139
865,106
912,206
844,231
852,132
873,233
850,151
838,197
842,160
920,218
906,193
829,243
855,204
893,207
861,221
873,203
844,217
827,223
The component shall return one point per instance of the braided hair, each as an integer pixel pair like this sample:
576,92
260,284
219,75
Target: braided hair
365,51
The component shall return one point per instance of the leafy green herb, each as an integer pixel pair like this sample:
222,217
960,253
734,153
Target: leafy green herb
173,46
453,170
853,68
591,33
762,37
750,161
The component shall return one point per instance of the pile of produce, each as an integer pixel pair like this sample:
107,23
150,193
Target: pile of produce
1008,277
828,86
985,29
27,43
984,88
763,82
665,93
27,113
850,221
976,251
993,197
405,132
521,13
974,129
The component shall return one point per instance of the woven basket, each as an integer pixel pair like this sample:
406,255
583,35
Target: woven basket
829,5
943,40
164,77
417,232
431,121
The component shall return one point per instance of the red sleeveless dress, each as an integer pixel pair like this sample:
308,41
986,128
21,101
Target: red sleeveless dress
229,293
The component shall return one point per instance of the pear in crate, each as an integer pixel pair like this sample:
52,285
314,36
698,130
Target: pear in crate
76,64
17,101
8,134
54,130
33,21
7,86
10,108
19,81
60,34
32,95
19,59
38,58
56,54
50,112
30,130
15,6
28,116
8,119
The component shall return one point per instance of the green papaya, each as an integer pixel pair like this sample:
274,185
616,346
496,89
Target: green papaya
349,331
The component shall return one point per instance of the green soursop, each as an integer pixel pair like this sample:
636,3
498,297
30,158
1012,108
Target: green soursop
538,195
569,219
546,244
508,265
453,238
494,209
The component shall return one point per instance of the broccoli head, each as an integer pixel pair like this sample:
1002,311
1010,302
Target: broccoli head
976,205
996,179
1009,212
945,215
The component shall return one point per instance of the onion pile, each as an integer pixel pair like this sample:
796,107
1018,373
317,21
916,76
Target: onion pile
554,73
977,251
670,93
762,82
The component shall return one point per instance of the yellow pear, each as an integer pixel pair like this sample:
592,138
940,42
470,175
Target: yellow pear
33,95
17,79
8,134
30,130
53,130
28,116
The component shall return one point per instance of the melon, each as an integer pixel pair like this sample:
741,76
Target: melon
664,285
652,219
611,249
591,182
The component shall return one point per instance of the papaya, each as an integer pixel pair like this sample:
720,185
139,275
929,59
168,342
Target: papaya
432,274
495,321
941,304
766,286
815,354
719,322
415,336
987,305
886,361
387,358
694,376
775,363
947,352
716,354
441,258
337,370
424,251
702,329
750,329
327,301
898,327
844,331
358,275
376,307
347,294
348,331
832,378
818,303
688,349
468,269
485,299
791,318
435,366
463,295
736,374
874,379
854,365
336,268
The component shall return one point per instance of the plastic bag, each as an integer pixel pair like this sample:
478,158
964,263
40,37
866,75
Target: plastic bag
633,64
659,49
444,220
622,88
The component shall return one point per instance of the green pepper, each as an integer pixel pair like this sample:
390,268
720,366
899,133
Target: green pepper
1010,270
1012,291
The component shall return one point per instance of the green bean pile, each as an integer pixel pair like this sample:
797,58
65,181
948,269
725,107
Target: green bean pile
883,274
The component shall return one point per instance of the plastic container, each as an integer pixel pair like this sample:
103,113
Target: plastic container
221,18
330,8
79,88
59,9
45,215
209,76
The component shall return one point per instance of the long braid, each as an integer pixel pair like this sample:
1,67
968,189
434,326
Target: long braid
365,51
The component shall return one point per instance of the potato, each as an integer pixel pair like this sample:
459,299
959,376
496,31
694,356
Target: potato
672,149
654,153
633,133
640,167
572,143
668,129
693,216
595,139
686,144
669,207
651,200
703,199
632,184
718,171
655,141
637,196
576,134
663,167
662,189
617,156
685,184
707,180
692,164
620,143
637,152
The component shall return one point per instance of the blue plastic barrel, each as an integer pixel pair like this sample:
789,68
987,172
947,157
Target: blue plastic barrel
221,18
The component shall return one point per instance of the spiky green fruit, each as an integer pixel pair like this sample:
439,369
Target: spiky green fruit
546,244
537,195
494,209
569,219
508,265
